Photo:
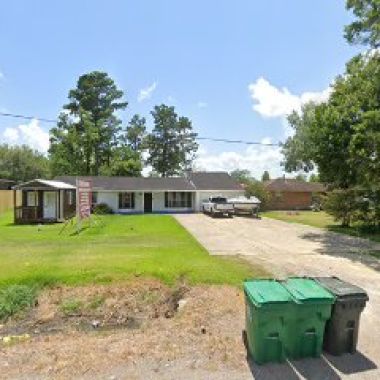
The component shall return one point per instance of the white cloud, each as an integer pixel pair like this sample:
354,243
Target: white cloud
271,101
146,93
201,104
11,135
255,158
29,134
1,75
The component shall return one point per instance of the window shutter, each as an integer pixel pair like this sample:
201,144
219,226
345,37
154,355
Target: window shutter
166,199
120,200
133,201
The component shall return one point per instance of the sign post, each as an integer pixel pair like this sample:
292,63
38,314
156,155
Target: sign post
84,200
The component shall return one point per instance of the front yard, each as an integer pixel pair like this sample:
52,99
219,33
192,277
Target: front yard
321,220
120,248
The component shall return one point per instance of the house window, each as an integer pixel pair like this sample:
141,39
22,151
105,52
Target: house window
126,200
178,199
94,196
31,199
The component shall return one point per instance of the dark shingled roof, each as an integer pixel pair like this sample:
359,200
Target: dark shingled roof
213,181
292,185
6,184
193,181
133,183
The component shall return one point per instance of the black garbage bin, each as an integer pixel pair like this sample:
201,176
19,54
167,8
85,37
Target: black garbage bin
341,335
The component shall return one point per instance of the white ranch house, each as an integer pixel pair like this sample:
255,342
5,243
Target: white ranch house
159,195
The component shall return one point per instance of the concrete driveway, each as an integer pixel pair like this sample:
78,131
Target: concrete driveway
293,249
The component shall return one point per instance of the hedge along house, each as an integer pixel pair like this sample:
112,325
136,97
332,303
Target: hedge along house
43,201
159,195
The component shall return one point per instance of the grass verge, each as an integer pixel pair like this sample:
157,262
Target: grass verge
119,248
322,220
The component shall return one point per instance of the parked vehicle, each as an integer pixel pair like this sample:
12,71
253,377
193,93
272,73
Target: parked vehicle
245,206
218,205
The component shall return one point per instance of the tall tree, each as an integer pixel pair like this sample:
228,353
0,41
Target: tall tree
241,175
365,29
342,137
314,177
21,163
301,177
135,134
125,162
265,176
91,130
171,144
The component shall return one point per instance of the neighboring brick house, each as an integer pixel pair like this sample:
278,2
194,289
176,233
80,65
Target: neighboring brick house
291,194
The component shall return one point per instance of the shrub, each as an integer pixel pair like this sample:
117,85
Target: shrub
351,205
14,299
102,209
258,190
341,204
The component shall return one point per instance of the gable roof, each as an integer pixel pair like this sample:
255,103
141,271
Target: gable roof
294,186
192,182
213,181
133,183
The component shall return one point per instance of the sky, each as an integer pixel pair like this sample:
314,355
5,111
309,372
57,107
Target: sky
235,68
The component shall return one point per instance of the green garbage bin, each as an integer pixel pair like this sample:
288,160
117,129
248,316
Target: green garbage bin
341,334
312,308
268,310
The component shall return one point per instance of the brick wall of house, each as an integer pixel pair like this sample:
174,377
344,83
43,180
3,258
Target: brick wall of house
290,201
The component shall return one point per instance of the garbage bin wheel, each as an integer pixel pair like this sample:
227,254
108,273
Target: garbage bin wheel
245,338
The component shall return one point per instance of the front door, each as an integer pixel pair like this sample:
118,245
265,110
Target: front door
147,202
50,205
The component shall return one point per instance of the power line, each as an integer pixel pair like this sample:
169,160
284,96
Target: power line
228,141
27,117
237,141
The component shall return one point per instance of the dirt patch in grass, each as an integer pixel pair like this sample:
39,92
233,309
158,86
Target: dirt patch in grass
139,323
97,307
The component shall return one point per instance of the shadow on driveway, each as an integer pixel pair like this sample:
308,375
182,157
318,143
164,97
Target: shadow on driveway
325,367
354,249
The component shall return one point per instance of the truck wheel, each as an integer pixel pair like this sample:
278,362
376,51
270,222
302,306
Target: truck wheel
212,213
230,215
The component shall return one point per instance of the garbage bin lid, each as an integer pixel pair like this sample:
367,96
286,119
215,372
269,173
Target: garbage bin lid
306,290
341,288
262,292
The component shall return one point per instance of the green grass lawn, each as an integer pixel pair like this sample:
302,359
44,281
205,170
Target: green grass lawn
322,220
118,249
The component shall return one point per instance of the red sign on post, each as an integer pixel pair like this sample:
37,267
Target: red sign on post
84,198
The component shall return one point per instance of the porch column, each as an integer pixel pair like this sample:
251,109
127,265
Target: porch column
36,203
14,205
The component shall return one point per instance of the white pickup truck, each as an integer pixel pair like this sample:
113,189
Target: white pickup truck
218,206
